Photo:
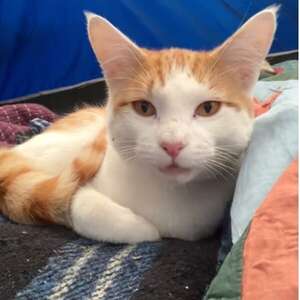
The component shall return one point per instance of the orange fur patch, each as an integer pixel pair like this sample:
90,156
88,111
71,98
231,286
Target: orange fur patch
39,208
89,162
32,196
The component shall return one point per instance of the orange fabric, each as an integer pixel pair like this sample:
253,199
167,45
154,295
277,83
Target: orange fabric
270,270
262,107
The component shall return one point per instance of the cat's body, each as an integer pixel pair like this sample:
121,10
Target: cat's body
140,190
162,203
141,169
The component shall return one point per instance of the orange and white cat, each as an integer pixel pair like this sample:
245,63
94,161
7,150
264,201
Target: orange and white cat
157,160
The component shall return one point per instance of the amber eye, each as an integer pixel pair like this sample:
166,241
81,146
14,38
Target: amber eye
144,108
208,108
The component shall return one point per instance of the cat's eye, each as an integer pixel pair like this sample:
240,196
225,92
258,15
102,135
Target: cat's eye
144,108
208,108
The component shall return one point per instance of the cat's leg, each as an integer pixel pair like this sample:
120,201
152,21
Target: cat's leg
97,217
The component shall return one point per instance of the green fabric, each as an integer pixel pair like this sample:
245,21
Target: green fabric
290,71
227,284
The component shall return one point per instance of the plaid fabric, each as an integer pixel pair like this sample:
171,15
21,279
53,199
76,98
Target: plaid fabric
36,126
51,262
21,119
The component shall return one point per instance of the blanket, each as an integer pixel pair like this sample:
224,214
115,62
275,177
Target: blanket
263,263
23,120
54,263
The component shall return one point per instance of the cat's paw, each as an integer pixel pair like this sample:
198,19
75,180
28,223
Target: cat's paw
136,229
97,217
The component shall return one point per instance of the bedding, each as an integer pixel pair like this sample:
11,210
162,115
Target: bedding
274,144
263,263
22,120
262,224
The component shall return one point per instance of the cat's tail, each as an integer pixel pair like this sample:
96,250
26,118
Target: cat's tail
31,196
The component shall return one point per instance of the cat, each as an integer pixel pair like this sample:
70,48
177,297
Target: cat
160,158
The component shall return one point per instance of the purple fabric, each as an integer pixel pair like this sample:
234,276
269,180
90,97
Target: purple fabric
15,119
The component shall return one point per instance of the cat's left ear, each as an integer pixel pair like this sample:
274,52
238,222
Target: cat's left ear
243,54
117,54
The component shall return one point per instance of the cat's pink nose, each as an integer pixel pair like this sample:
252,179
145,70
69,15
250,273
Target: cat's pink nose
172,149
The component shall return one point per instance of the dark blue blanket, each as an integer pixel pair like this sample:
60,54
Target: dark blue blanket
51,262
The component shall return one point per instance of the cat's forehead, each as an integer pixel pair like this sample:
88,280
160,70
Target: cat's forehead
162,64
161,71
186,74
179,74
180,85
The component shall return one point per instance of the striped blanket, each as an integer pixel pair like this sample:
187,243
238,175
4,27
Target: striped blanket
54,263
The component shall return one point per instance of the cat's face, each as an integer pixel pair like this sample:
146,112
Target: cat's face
181,113
176,122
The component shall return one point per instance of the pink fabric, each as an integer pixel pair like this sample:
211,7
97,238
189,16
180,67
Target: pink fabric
270,269
262,107
14,119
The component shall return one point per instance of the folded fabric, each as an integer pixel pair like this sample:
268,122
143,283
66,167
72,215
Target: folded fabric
17,120
274,144
286,70
263,263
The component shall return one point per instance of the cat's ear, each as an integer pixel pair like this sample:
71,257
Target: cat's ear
116,53
242,55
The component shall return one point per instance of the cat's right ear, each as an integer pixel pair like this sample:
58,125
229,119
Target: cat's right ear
116,53
241,56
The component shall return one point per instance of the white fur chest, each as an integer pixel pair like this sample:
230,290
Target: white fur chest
183,211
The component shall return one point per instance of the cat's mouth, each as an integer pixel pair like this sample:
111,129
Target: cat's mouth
174,169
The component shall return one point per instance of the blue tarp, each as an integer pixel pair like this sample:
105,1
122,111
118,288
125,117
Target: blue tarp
43,43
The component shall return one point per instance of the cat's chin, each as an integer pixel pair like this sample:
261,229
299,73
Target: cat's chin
184,175
174,170
176,174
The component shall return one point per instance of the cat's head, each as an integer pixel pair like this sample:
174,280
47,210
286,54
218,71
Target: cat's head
185,114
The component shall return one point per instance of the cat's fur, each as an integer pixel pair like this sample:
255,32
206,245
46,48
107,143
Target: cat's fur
105,172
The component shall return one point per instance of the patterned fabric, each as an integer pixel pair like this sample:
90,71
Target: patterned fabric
89,270
17,121
51,262
36,126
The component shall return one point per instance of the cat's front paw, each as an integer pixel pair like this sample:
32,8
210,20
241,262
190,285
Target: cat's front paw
97,217
138,229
